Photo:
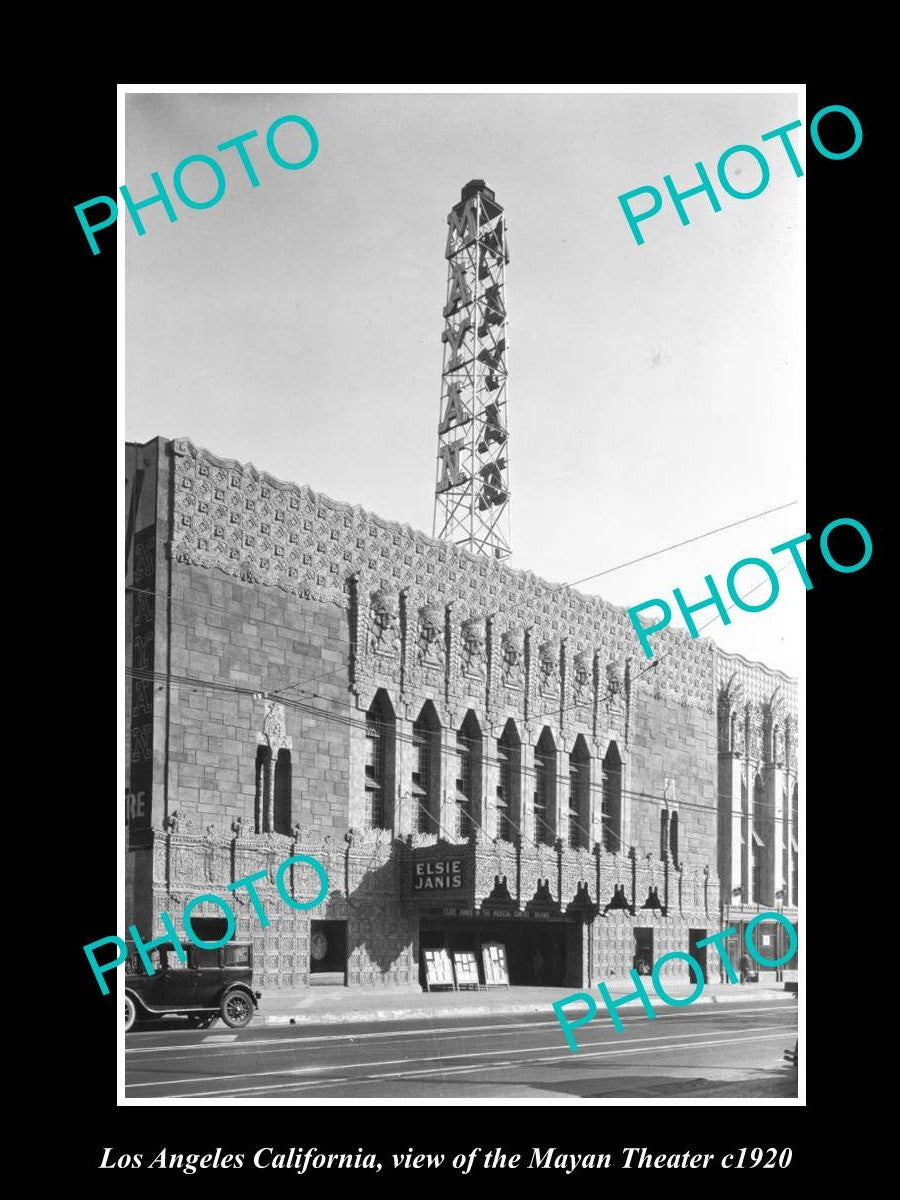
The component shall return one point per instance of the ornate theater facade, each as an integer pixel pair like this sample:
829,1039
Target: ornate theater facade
478,758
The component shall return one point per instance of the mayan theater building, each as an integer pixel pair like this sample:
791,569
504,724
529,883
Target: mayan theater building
496,784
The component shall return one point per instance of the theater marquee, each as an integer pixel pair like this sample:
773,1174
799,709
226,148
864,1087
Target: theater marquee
441,876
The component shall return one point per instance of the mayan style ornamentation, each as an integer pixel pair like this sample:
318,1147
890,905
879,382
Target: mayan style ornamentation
582,678
757,719
741,727
473,648
790,741
274,732
773,728
430,648
384,623
277,534
512,650
778,744
730,708
548,667
615,679
274,739
177,823
752,683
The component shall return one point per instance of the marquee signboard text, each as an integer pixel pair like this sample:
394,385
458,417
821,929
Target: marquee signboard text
445,875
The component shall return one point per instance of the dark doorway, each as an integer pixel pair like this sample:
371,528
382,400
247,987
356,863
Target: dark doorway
327,952
698,952
643,950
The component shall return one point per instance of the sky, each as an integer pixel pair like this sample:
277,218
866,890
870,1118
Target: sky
655,392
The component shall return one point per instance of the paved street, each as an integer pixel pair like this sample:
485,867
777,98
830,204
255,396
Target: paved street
716,1051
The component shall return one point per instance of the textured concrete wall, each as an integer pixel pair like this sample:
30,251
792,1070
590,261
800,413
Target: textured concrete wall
236,635
671,741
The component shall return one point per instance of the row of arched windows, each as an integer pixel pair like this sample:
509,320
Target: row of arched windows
467,781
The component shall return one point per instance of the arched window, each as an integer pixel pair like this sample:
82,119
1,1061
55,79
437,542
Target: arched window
263,771
673,838
664,833
282,797
579,795
509,765
545,789
612,799
379,761
468,775
426,770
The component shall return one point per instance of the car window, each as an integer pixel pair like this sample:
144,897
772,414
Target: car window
206,958
173,962
135,964
237,956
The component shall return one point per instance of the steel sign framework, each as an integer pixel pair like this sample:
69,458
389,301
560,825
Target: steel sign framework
471,500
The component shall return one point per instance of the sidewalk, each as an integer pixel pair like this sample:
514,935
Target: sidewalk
339,1005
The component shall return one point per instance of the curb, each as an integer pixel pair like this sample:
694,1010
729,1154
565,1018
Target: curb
359,1017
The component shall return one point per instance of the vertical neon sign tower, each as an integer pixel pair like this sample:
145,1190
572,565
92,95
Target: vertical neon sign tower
471,498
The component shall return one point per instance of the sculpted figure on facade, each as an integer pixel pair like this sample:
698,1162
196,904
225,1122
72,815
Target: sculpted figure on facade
274,733
615,678
548,666
177,822
730,708
430,648
773,727
513,656
473,652
582,681
739,735
790,740
778,743
756,718
384,623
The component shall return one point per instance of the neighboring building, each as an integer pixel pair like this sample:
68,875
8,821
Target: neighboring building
758,799
475,755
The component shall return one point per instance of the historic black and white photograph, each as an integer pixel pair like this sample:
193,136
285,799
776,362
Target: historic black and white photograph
465,590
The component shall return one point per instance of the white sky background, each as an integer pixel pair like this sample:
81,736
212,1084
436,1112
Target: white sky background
655,392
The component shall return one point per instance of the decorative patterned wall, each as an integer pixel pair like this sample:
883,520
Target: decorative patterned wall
428,616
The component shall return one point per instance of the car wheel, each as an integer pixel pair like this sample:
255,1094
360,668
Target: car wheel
237,1010
130,1013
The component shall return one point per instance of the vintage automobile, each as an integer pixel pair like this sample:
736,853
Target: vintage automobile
210,984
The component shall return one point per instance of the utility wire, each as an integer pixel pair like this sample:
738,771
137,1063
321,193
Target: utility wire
686,542
576,583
